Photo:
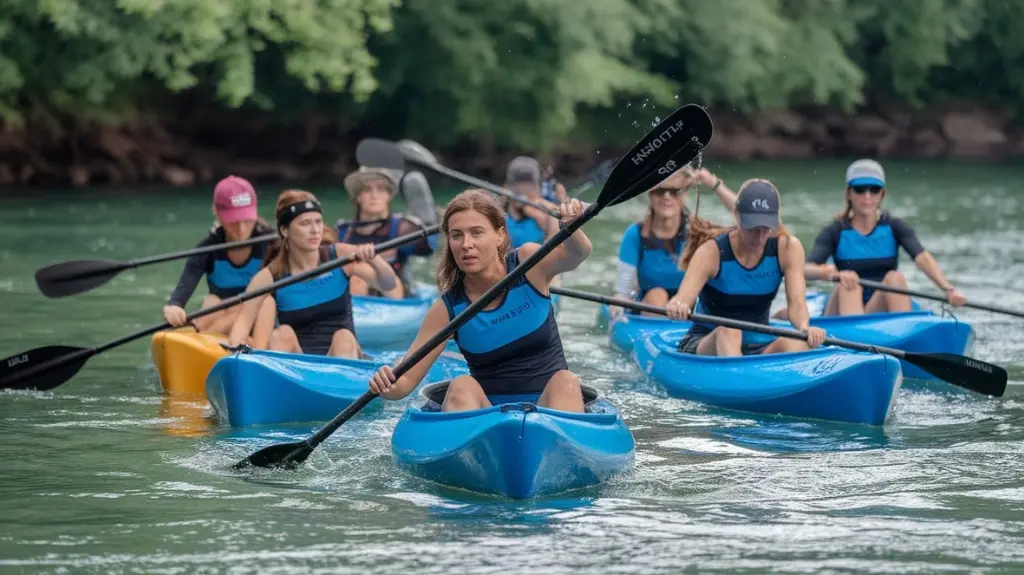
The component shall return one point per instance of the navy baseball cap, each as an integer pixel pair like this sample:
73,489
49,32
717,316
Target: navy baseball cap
758,206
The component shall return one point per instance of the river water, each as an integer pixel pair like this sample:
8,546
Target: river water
103,474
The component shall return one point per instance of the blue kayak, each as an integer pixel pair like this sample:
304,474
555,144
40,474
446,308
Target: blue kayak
382,322
269,387
385,322
514,448
917,331
827,383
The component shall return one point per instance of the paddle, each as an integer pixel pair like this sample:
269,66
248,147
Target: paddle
884,287
676,140
387,154
73,277
47,367
968,373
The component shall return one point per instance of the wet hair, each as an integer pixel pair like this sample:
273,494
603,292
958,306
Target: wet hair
702,230
448,273
277,255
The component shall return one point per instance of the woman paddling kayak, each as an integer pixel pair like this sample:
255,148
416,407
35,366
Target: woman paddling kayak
512,346
650,249
227,273
737,273
864,242
315,316
371,191
526,223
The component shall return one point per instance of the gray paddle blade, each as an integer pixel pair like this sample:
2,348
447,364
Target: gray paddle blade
418,198
413,150
380,154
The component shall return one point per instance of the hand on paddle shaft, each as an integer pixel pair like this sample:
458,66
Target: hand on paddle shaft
968,373
953,297
674,142
679,311
47,367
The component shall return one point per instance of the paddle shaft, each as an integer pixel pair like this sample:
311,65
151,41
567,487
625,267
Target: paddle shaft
482,184
726,322
884,287
440,337
86,353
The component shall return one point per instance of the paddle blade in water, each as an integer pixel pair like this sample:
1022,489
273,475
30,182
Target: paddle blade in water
22,371
380,154
280,456
70,278
689,123
418,197
977,376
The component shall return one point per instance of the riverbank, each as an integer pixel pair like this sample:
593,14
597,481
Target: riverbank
184,153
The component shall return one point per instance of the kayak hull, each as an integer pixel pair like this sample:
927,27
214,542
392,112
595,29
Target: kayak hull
828,383
268,388
916,331
183,357
513,449
382,322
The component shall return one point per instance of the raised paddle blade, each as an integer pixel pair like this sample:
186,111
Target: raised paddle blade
380,154
16,371
70,278
418,197
414,150
971,374
675,142
282,456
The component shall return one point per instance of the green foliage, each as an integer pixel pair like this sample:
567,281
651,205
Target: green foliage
526,73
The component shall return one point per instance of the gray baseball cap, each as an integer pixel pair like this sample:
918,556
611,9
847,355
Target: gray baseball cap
758,206
523,169
865,173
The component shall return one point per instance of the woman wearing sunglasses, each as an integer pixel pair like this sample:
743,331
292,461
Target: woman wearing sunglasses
864,242
650,249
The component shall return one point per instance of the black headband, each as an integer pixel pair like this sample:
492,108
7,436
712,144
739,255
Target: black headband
288,213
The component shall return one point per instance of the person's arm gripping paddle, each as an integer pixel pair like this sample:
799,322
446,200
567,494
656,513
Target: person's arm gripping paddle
792,262
371,267
702,266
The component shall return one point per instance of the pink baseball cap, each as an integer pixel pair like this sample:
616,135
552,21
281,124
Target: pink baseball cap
235,200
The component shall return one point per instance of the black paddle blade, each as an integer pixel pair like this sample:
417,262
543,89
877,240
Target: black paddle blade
672,144
15,370
380,153
412,149
972,374
70,278
280,456
418,197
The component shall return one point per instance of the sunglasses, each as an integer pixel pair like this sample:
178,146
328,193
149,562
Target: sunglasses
873,190
665,192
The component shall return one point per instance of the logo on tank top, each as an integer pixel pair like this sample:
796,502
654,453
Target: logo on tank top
510,314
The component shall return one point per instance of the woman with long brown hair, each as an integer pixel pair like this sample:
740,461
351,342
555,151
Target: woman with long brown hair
864,242
512,346
315,316
650,249
737,272
371,191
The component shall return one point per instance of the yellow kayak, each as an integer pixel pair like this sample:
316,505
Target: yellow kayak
184,358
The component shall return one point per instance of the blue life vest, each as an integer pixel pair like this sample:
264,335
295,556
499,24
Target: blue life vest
317,307
656,266
514,348
737,292
223,278
523,231
351,235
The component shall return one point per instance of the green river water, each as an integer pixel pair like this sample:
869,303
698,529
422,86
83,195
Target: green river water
103,474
